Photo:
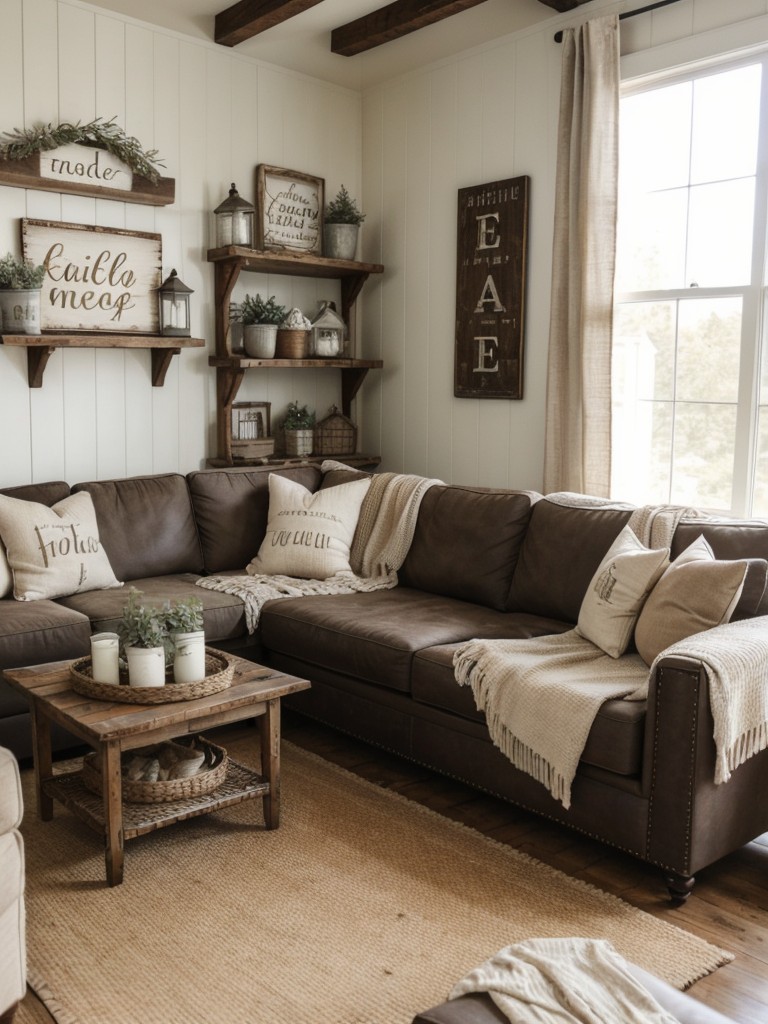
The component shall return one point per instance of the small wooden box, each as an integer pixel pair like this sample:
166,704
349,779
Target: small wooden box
335,435
251,430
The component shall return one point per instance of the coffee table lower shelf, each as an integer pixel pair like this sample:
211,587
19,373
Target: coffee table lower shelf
241,783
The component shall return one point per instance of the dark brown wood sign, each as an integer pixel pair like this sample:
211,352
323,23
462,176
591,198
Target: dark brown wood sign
490,289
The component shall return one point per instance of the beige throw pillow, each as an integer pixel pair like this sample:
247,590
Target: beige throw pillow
617,591
6,577
308,535
695,593
54,551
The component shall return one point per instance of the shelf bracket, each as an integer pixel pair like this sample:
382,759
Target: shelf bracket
351,379
225,277
161,360
37,359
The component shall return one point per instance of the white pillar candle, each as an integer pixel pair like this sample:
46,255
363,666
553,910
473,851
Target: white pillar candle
104,657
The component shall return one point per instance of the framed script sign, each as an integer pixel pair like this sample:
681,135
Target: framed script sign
490,289
289,210
96,279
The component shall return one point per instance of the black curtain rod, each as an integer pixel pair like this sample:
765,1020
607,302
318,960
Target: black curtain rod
629,14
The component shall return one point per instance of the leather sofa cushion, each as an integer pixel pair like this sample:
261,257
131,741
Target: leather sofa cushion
373,637
730,539
561,551
146,525
239,499
467,543
34,632
223,614
43,494
615,741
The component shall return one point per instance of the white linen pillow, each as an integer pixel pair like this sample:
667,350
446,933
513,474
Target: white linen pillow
56,551
308,536
695,593
618,590
6,576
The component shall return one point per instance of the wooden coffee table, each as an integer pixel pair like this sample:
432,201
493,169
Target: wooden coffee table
112,727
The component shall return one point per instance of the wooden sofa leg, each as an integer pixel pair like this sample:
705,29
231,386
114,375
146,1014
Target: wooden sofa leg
679,887
10,1013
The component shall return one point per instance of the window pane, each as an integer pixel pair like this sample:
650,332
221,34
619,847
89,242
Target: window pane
651,240
720,234
644,350
726,108
708,347
642,445
760,494
702,459
653,122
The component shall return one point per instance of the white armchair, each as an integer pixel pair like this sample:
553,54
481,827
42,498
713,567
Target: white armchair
13,982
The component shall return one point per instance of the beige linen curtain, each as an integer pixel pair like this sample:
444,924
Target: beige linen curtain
578,428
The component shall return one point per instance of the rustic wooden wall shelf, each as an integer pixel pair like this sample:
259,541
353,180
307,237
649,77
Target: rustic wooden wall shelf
40,347
26,174
229,262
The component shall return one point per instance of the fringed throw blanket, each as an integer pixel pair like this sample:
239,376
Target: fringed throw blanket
572,981
540,695
382,538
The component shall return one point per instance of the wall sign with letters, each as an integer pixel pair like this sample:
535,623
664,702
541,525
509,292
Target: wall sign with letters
96,279
490,289
289,210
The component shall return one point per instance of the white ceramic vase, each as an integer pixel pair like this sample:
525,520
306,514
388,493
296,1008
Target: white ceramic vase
146,666
189,656
20,310
260,340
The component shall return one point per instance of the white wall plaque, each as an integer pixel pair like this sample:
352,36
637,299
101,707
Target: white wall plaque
86,165
97,279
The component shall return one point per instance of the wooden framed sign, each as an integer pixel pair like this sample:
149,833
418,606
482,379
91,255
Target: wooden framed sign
289,210
96,279
490,289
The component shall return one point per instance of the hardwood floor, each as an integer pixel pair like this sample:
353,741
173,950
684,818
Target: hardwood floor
729,905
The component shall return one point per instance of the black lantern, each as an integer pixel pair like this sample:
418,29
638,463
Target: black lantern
174,307
234,221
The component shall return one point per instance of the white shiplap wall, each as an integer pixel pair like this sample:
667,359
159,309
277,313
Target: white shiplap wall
487,114
213,115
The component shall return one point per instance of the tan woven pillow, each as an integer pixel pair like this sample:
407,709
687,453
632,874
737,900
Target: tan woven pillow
54,551
617,591
308,535
695,593
6,577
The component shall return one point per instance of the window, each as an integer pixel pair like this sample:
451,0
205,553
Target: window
690,417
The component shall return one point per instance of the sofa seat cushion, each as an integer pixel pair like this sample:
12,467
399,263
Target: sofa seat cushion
12,921
11,804
373,637
34,632
223,614
615,741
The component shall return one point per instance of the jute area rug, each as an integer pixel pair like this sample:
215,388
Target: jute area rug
362,908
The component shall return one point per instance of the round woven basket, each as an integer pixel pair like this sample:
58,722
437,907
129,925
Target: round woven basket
219,670
292,344
206,781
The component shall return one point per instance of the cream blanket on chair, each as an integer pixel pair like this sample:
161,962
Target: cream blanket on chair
571,981
382,539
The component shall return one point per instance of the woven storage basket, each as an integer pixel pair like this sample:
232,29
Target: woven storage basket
206,781
292,344
219,669
335,435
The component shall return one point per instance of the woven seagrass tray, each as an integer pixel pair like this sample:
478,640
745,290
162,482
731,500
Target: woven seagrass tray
219,670
164,791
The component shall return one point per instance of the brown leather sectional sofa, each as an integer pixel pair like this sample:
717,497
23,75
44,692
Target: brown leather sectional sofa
483,563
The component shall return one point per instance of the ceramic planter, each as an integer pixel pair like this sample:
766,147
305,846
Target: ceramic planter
146,666
20,310
340,241
299,442
189,656
259,340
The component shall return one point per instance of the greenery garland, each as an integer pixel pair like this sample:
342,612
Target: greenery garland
21,143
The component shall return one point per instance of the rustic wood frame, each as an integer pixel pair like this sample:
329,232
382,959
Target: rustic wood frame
490,289
270,237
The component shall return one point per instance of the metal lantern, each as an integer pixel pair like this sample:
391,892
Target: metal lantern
234,221
174,307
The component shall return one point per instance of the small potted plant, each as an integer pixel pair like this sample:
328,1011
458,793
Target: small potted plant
260,319
298,425
341,226
145,641
184,620
21,282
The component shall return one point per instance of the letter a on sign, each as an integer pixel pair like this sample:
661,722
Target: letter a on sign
490,289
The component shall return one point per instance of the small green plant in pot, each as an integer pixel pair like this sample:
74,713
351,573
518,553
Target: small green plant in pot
260,319
144,639
184,620
341,226
298,426
21,282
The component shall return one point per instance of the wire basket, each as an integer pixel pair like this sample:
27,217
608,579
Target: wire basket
335,435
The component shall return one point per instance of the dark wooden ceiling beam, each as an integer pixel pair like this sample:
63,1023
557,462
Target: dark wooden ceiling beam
564,5
393,21
249,17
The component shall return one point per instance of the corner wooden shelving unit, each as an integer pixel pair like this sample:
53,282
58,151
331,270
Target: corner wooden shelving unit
40,348
229,262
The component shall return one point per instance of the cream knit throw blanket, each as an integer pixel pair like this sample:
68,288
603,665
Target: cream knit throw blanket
382,538
541,695
571,981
